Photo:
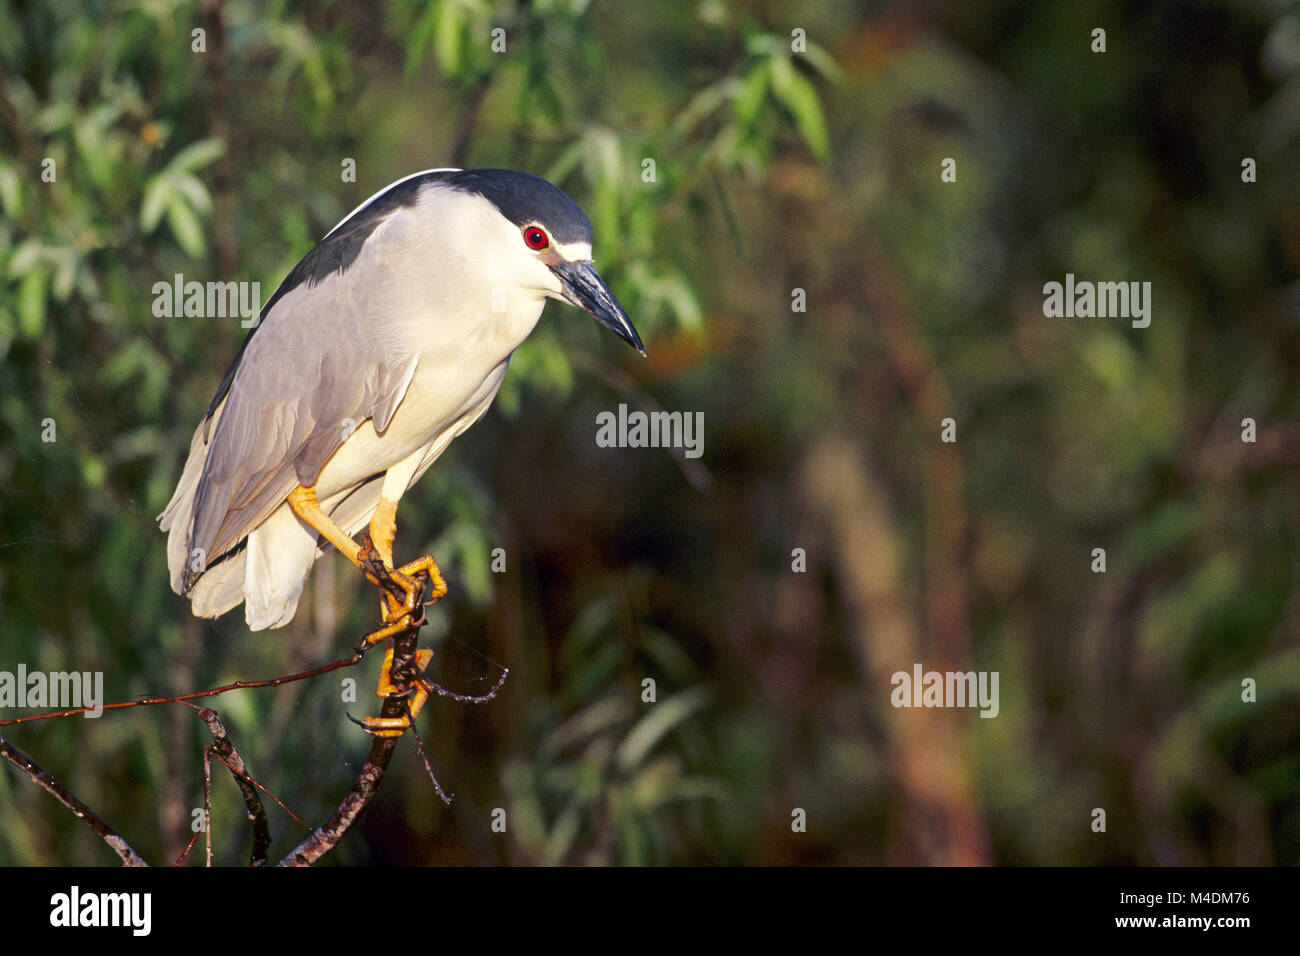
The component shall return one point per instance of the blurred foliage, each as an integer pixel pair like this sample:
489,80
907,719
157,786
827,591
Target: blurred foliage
775,167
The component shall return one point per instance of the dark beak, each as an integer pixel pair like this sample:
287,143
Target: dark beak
584,288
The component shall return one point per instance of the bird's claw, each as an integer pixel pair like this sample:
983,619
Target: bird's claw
404,588
401,607
391,629
407,684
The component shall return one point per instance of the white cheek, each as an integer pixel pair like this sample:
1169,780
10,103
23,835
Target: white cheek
523,279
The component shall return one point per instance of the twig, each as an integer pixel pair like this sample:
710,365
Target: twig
186,852
225,751
468,698
207,806
278,802
61,793
212,692
446,798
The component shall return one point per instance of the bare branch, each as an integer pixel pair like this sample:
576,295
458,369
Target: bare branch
65,796
225,751
405,676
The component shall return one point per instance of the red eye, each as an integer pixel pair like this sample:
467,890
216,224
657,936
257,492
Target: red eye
536,238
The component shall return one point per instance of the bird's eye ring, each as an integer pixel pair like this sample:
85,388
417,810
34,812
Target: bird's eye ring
536,238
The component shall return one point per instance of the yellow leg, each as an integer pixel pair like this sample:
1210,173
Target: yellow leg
383,531
396,726
396,611
304,504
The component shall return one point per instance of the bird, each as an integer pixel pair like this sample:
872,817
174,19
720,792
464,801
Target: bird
384,343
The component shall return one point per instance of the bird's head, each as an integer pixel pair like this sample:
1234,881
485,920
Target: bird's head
547,243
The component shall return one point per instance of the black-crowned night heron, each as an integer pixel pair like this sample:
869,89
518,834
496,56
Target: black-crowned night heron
384,343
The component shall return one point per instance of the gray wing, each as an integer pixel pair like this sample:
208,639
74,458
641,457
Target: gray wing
316,368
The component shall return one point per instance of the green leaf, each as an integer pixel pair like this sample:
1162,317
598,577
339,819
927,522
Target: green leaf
751,92
65,274
680,297
197,155
763,45
658,723
421,39
186,227
93,473
156,195
467,552
796,92
592,721
31,302
449,37
704,104
821,61
55,117
1160,531
196,191
26,257
11,192
565,163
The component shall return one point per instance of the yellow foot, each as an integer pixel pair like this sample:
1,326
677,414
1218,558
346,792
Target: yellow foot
396,626
417,691
400,585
